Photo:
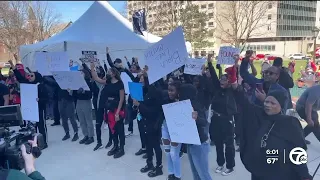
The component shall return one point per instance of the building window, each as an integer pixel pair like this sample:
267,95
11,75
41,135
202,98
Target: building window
269,16
211,34
196,53
273,47
134,4
150,23
203,6
160,29
258,47
150,15
210,6
175,3
269,27
269,5
164,29
210,24
279,16
210,14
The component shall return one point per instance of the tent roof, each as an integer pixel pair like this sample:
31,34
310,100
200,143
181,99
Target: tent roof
101,23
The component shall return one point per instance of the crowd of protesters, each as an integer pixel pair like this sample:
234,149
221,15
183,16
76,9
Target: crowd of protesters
230,106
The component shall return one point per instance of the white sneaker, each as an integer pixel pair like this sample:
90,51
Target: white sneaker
128,134
219,169
227,172
105,126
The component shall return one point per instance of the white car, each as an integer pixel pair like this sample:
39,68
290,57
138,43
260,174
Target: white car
297,56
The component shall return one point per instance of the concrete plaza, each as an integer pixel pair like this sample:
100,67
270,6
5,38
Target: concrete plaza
70,160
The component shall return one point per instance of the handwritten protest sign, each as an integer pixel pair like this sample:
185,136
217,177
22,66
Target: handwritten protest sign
73,80
29,104
125,79
136,91
193,66
182,128
46,62
226,55
165,56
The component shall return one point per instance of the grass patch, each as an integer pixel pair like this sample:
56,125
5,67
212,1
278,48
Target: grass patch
296,74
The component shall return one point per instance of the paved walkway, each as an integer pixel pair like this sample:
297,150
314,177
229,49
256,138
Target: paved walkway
70,160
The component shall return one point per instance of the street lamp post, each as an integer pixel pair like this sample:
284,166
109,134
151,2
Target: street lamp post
315,32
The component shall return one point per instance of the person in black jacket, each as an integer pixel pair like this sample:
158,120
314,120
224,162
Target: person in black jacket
150,112
84,111
285,80
223,108
266,128
34,78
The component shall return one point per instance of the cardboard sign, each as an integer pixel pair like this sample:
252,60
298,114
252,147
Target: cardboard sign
89,56
182,128
46,62
136,91
125,79
167,55
73,80
29,103
226,55
194,66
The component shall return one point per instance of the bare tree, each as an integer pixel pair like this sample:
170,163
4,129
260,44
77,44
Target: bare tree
13,15
238,21
43,19
25,22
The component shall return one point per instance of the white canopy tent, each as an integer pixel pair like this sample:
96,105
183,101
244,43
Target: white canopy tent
100,26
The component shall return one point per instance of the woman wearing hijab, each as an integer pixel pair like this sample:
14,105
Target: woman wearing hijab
266,129
198,154
112,99
172,149
150,112
223,108
35,78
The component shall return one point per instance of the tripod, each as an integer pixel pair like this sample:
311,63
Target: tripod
314,174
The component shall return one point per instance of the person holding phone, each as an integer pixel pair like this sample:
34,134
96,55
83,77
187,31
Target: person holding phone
269,82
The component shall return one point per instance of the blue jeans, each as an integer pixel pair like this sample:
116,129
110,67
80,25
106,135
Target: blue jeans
172,153
199,161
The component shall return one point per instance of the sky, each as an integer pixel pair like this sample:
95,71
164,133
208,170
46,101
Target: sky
72,10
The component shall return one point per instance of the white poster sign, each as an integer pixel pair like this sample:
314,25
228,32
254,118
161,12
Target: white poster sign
194,66
73,80
226,55
46,62
167,55
125,79
182,128
29,103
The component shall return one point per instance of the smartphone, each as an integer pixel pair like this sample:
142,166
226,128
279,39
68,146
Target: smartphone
259,87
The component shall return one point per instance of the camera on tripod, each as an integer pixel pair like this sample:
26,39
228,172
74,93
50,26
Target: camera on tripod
11,141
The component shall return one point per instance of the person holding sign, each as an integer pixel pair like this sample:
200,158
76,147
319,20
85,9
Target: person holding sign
198,154
150,112
172,149
112,99
223,108
35,78
84,111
